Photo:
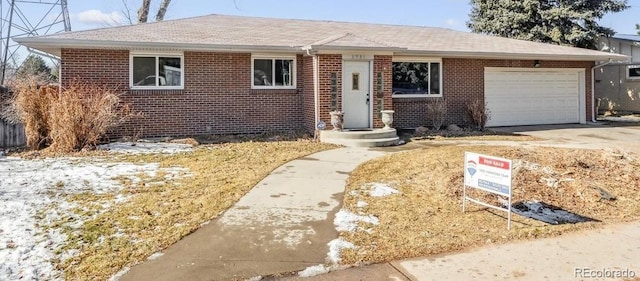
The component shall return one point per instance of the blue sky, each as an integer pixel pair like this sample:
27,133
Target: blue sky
86,14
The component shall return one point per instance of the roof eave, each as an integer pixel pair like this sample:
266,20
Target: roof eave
352,48
51,45
519,56
55,45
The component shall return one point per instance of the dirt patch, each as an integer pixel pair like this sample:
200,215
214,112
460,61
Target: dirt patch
425,216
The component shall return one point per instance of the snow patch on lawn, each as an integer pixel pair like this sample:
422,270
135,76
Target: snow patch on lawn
362,204
146,147
33,194
348,221
155,256
335,249
314,270
627,118
381,190
118,275
333,259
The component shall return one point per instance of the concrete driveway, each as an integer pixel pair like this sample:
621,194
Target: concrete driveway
591,136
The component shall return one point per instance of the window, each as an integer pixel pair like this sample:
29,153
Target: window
273,73
156,71
355,81
417,78
633,72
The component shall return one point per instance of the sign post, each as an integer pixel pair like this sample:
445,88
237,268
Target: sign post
489,174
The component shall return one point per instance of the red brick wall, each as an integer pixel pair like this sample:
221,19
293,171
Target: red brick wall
217,96
308,95
384,65
464,81
329,64
218,99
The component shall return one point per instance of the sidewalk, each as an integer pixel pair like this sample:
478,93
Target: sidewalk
282,225
573,256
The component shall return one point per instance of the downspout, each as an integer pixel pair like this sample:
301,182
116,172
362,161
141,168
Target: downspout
593,88
316,93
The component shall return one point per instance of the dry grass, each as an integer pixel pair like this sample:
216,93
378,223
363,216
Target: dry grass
158,215
426,217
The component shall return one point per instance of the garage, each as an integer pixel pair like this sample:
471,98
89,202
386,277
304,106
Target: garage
526,96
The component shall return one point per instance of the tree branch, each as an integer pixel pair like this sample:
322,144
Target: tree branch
162,10
143,12
127,12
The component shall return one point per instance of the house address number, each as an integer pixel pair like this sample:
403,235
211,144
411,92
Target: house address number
358,57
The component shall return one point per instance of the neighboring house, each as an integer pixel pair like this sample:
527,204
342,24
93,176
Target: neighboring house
618,84
250,75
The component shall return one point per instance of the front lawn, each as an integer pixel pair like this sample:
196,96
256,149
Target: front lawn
425,216
98,213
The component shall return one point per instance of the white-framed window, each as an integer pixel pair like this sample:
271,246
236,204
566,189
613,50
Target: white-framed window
273,72
633,71
156,71
417,77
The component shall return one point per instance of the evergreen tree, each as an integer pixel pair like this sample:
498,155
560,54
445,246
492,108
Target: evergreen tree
564,22
34,65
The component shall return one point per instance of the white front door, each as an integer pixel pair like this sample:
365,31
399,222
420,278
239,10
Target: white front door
356,99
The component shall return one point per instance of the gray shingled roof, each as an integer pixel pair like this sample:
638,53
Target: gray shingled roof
228,33
628,37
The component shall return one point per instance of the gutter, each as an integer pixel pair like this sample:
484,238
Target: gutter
598,56
38,43
353,48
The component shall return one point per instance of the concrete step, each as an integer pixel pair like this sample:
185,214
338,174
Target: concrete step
364,142
372,134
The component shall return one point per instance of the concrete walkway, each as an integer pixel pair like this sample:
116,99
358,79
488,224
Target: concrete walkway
574,256
282,225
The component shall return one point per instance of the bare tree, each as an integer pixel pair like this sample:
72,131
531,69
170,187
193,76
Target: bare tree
126,12
143,12
162,10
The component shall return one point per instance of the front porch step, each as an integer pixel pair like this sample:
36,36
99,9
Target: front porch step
373,138
371,134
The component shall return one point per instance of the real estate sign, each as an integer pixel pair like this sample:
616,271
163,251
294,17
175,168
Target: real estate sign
490,174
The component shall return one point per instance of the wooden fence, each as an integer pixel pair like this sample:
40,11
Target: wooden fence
11,135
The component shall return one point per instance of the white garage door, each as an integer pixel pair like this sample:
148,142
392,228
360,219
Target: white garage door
532,97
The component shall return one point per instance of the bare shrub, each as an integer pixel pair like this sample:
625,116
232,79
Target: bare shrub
436,112
477,113
81,115
30,105
68,120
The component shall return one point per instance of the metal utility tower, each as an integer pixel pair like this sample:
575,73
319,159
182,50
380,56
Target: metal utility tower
20,18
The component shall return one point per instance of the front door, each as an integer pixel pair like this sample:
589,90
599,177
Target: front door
355,94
